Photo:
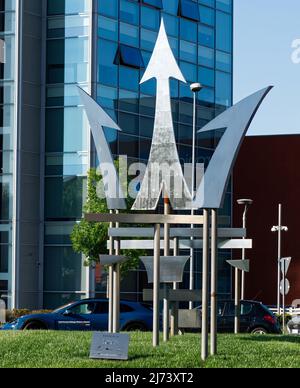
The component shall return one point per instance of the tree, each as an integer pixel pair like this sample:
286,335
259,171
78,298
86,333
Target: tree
90,238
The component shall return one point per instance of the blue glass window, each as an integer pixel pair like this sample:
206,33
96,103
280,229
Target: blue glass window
129,34
207,15
206,36
129,56
171,6
224,61
108,8
107,28
150,18
223,89
224,5
107,73
189,9
206,56
188,30
129,12
206,76
224,32
129,78
154,3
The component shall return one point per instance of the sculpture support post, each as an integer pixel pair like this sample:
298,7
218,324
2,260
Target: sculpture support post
156,285
237,302
204,338
214,281
175,305
110,286
116,289
166,253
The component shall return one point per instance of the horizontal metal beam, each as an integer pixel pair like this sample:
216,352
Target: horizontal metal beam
185,244
174,232
111,259
146,219
174,295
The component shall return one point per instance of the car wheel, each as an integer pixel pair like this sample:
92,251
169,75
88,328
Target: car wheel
34,326
135,326
259,331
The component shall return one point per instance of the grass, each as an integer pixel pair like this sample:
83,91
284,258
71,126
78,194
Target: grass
71,350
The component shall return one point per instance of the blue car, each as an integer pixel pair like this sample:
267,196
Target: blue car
87,315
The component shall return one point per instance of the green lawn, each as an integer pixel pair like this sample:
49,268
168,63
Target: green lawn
71,350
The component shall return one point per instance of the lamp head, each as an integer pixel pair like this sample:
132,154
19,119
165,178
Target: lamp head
245,202
196,87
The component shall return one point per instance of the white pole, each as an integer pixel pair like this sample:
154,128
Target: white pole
279,256
244,257
166,253
192,251
110,285
204,338
156,285
175,305
237,302
116,293
214,281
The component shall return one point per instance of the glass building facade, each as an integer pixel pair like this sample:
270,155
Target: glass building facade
104,47
7,142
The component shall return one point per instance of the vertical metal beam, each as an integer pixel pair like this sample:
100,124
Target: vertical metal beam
110,285
214,281
237,302
204,339
192,251
175,305
166,324
283,299
116,289
243,287
156,285
279,256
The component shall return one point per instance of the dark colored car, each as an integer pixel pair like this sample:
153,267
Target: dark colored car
87,315
255,318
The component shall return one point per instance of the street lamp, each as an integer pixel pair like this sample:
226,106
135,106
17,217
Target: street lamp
279,229
195,88
246,203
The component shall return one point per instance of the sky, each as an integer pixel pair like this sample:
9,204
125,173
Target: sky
264,33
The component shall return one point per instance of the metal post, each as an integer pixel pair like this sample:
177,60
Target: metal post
237,302
283,299
110,285
156,285
244,258
204,339
166,325
192,251
214,281
175,305
116,293
279,256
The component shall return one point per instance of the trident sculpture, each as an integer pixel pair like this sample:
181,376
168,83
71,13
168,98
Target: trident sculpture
164,173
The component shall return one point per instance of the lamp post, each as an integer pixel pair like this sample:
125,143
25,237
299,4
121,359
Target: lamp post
246,203
195,88
279,229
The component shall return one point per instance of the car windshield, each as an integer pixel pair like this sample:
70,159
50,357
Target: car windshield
65,307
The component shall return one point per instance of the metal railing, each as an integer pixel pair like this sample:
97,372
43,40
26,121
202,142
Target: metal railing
293,311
